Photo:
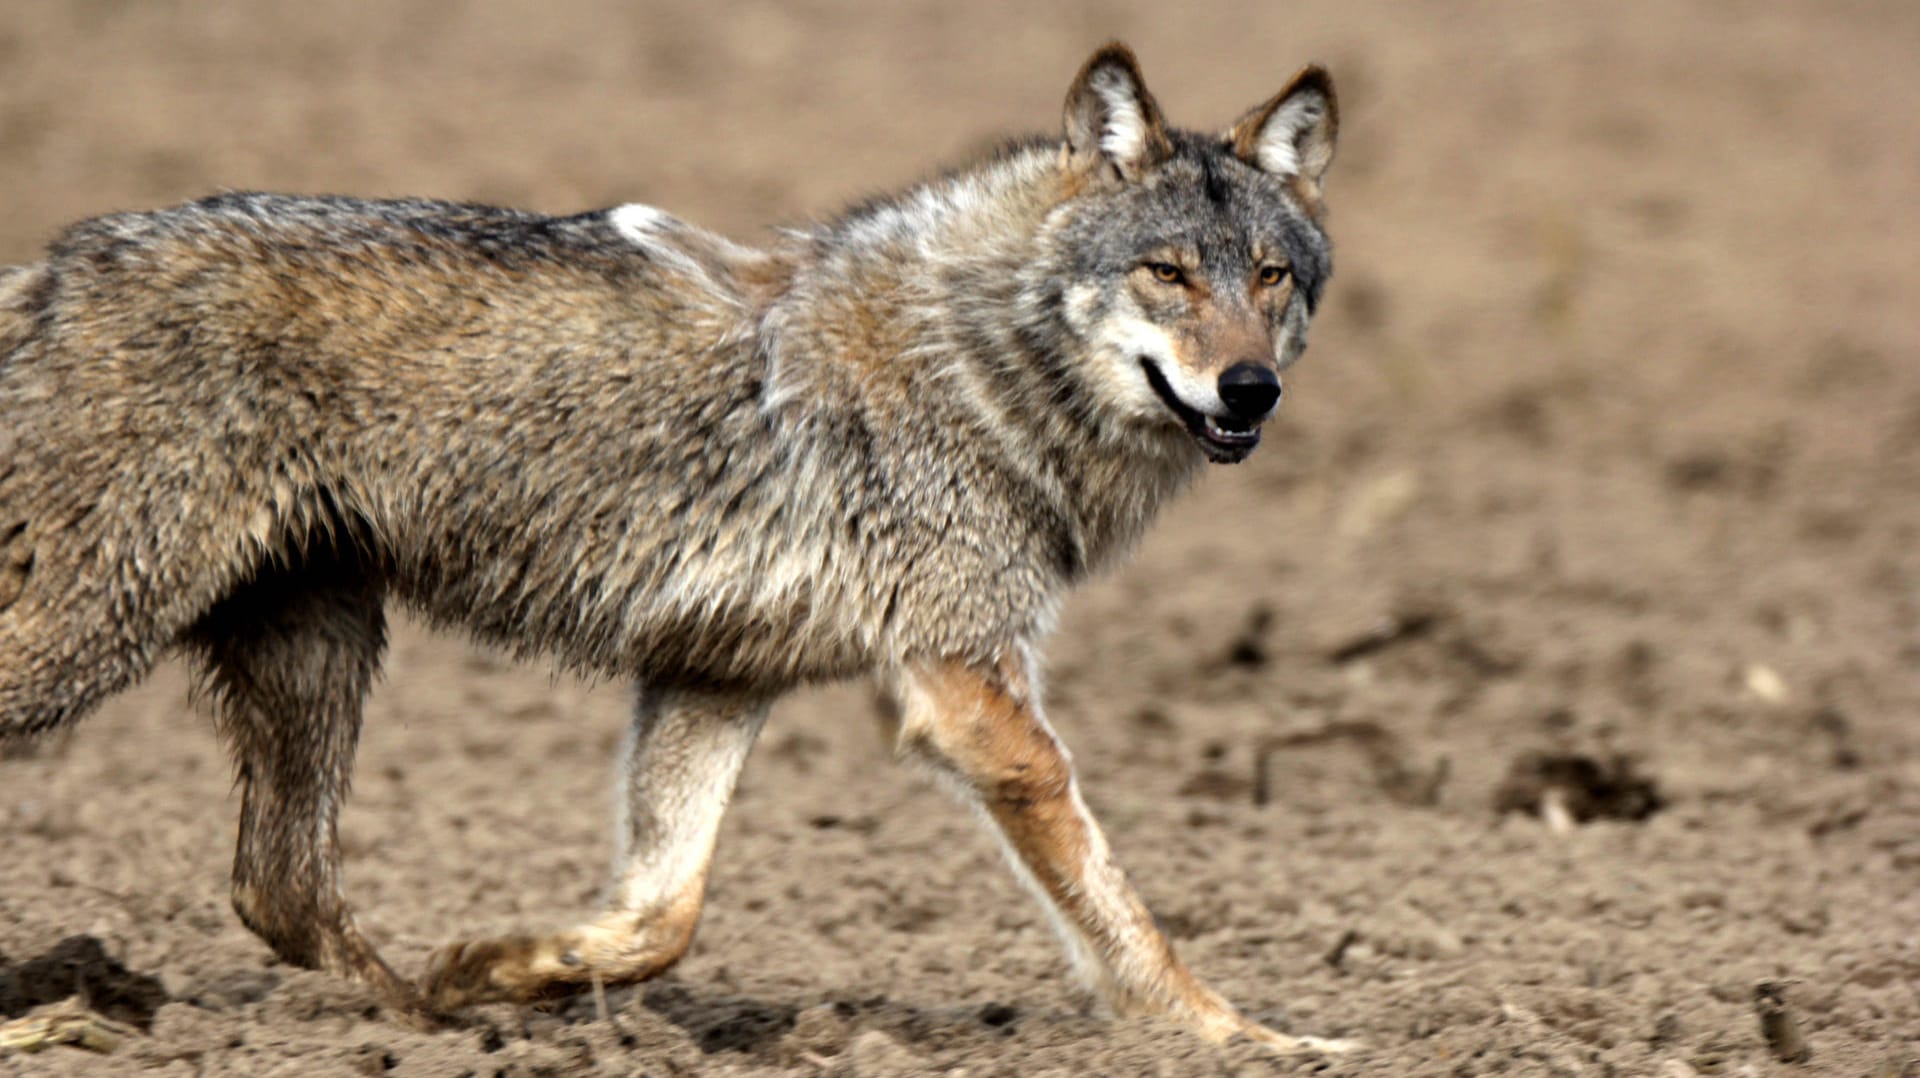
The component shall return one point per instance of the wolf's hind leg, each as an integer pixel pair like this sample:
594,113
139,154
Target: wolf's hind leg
982,725
683,752
289,658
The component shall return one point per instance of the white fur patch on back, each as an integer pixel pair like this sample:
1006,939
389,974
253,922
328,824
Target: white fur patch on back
655,229
637,221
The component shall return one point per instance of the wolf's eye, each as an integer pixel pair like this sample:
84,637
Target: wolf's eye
1270,276
1167,273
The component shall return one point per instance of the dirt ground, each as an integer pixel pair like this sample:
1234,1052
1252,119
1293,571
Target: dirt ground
1608,445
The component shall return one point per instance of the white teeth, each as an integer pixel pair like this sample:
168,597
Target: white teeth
1217,432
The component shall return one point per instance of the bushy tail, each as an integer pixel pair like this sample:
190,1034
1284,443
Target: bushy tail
22,294
22,297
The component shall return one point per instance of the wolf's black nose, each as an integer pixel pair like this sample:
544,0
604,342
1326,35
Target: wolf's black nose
1250,390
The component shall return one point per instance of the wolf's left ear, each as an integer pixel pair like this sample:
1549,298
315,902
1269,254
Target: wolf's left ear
1292,135
1112,119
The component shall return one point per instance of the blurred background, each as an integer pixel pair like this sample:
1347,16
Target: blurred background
1543,684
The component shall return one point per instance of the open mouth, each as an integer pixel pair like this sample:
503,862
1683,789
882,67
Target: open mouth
1224,441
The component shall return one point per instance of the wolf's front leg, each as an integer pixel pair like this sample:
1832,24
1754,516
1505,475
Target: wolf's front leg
683,752
982,724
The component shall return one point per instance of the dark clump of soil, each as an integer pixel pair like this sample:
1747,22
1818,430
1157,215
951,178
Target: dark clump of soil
79,966
1584,787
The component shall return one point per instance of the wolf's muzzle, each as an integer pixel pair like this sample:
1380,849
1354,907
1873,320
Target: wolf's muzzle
1225,439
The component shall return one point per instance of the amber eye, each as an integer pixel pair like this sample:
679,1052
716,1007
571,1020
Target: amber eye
1272,275
1166,272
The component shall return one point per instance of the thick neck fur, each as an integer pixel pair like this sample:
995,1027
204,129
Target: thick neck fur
940,310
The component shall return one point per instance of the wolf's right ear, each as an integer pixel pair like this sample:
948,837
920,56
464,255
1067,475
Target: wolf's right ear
1112,121
1291,136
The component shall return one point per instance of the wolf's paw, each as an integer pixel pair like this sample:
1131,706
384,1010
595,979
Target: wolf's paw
528,969
1287,1044
519,969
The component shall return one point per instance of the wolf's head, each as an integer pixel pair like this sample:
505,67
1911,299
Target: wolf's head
1192,261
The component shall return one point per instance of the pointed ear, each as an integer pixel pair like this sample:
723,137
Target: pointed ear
1292,135
1112,119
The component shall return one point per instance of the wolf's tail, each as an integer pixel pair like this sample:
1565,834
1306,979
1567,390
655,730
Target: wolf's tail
22,294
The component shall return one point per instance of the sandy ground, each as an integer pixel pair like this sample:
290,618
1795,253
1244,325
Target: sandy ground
1608,445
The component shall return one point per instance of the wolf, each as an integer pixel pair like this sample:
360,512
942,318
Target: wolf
884,445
